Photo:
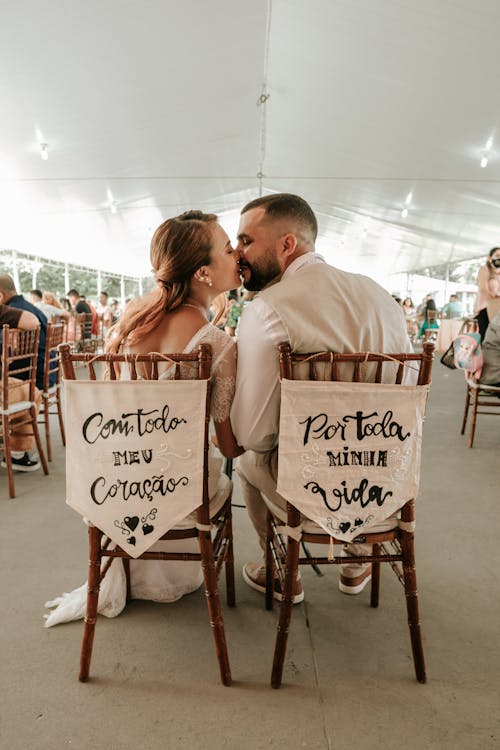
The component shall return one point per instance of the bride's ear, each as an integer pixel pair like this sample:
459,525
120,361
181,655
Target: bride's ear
202,275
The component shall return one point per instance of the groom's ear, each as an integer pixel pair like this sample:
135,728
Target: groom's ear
287,245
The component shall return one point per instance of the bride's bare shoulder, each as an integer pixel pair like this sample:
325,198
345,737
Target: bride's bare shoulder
173,334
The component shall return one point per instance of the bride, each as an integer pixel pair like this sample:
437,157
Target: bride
193,263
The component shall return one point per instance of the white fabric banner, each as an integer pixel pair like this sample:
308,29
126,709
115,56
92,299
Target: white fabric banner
349,453
134,455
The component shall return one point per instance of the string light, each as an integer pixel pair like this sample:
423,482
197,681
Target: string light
43,146
112,204
486,153
44,151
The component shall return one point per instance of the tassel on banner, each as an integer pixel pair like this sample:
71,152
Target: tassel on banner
331,556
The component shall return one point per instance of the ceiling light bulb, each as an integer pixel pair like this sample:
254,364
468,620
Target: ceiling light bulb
44,151
489,144
408,198
484,161
113,206
404,213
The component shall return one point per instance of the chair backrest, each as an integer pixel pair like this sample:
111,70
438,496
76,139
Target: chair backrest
469,325
343,420
138,441
84,321
52,369
19,360
369,367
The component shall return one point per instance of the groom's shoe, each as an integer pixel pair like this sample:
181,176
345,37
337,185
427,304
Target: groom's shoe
355,585
254,575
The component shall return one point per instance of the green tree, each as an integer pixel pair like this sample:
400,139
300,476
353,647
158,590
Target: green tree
50,278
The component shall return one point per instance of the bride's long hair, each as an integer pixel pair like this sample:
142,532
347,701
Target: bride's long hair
179,247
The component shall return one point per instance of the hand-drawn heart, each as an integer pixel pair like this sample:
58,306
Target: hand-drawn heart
131,540
147,528
131,522
358,522
344,526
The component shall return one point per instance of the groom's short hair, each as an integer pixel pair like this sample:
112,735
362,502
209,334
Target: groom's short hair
286,205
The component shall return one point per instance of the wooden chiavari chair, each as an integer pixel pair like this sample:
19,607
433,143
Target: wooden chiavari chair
84,340
395,546
19,358
51,395
479,399
214,533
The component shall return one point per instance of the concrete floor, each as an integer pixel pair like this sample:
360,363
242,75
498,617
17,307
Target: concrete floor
348,678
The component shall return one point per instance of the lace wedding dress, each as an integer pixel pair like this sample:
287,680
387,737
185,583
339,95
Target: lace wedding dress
157,580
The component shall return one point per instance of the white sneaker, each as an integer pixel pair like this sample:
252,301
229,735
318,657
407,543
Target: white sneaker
355,585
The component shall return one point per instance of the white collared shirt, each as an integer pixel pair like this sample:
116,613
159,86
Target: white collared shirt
256,405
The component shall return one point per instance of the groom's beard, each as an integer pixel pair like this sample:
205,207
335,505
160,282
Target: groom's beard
263,272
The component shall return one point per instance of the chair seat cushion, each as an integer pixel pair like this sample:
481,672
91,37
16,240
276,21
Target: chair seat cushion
19,406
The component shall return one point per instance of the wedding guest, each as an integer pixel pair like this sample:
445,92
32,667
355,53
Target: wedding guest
453,308
48,309
22,440
104,312
410,317
9,296
490,374
488,291
78,302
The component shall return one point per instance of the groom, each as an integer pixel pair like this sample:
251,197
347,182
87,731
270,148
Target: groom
313,306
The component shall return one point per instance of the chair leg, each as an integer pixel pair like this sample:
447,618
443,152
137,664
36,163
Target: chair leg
7,456
126,568
46,423
229,559
375,584
94,578
38,440
213,603
270,572
291,571
475,397
60,415
410,583
466,410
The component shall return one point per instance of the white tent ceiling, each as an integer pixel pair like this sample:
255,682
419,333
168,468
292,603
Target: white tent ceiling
155,105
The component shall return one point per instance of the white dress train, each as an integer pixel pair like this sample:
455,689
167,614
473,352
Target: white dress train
158,580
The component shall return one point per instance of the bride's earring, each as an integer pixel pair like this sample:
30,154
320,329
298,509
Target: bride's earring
209,281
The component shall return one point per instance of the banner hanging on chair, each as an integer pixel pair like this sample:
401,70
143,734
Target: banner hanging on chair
349,453
134,456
